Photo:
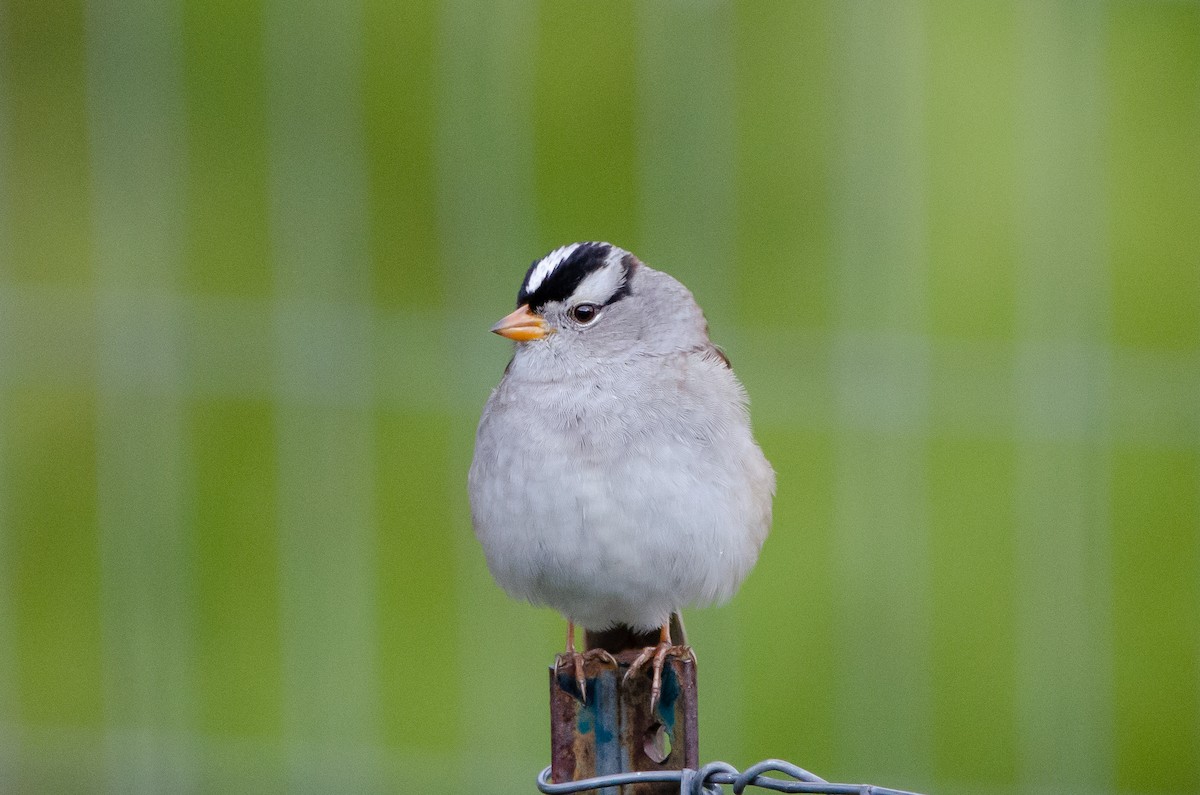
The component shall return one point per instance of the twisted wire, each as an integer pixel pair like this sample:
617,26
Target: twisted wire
711,778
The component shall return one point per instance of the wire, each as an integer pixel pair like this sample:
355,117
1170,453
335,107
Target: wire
709,780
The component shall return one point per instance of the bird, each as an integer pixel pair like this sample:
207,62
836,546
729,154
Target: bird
616,478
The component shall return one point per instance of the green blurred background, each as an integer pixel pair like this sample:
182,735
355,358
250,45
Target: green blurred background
249,253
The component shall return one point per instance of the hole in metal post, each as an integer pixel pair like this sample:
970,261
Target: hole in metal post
657,743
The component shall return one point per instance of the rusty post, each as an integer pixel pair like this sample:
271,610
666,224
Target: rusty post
613,731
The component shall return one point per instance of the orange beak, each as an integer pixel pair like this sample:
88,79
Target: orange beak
522,325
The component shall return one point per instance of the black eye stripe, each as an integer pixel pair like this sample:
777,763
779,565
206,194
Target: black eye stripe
624,289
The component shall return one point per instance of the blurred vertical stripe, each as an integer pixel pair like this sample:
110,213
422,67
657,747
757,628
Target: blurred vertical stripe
147,552
1062,525
971,151
50,451
779,287
232,415
1153,57
324,431
880,305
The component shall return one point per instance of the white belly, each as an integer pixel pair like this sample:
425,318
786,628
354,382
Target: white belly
617,524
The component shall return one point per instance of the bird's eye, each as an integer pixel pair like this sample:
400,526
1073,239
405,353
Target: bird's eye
585,313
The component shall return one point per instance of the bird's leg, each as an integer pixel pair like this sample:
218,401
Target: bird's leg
577,660
658,656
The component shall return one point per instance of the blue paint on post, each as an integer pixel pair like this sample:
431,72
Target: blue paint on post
665,711
602,706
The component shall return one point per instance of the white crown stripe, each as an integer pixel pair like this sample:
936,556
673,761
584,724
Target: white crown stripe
600,285
547,266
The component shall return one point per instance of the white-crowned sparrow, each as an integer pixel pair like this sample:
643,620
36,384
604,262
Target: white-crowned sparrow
616,478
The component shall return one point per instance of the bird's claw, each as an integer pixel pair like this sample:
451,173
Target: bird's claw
657,655
577,661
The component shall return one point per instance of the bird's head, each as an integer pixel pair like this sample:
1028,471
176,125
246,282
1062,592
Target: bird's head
598,301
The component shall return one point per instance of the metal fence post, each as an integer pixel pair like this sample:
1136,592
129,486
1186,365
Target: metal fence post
613,731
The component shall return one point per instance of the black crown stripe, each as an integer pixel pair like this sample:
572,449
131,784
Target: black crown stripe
561,282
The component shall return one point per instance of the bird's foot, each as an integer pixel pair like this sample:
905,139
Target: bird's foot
576,660
657,657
